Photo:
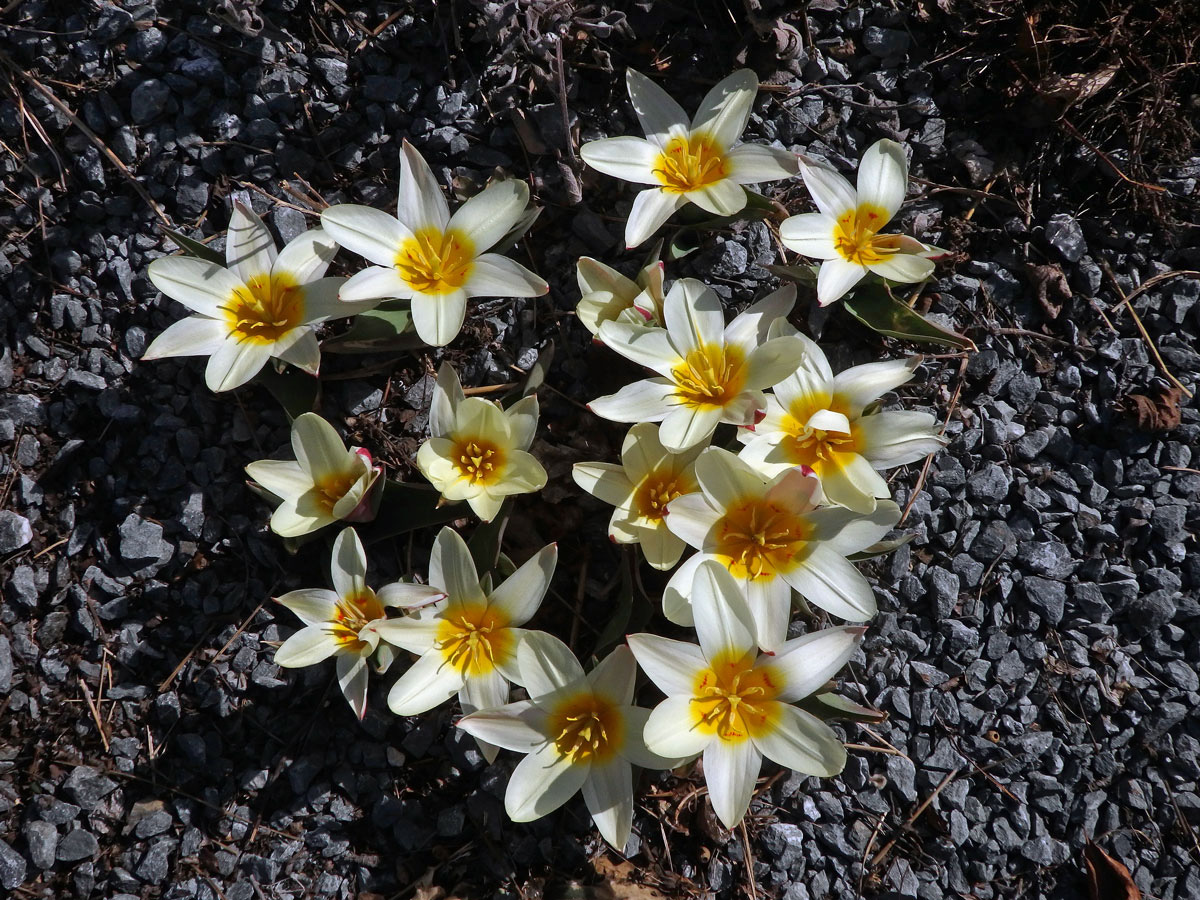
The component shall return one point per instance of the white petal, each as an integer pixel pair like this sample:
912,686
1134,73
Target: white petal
849,480
541,783
903,267
249,247
593,275
628,158
828,420
883,177
374,283
513,727
322,301
491,214
314,606
721,198
671,731
672,665
752,327
289,520
827,580
421,203
676,605
318,448
832,193
605,481
643,453
770,603
731,771
635,750
725,479
608,793
615,676
642,401
234,363
547,664
349,564
493,275
661,117
649,347
430,682
193,336
837,276
522,419
416,635
353,675
846,532
694,315
809,234
438,319
519,595
452,569
651,208
858,386
403,595
201,286
803,743
756,163
483,692
691,517
282,477
370,233
896,437
806,663
725,109
309,645
306,256
686,426
446,398
302,350
723,622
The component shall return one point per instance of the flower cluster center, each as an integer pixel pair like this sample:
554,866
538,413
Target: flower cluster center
474,639
478,460
812,446
436,262
855,236
657,490
735,700
759,539
333,488
710,375
353,614
265,308
690,163
586,728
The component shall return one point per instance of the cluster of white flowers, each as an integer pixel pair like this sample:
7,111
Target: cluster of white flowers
770,526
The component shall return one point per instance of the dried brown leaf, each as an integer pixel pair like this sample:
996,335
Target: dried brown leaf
1046,280
1107,878
1156,414
620,880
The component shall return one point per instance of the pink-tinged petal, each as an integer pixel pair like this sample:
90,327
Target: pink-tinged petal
883,177
731,771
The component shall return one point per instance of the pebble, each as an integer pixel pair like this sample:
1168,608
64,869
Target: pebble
1064,233
149,101
15,531
88,786
76,845
42,839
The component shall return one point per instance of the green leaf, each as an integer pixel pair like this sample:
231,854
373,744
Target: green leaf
685,242
882,548
873,305
407,507
194,248
804,275
485,542
829,706
296,391
387,327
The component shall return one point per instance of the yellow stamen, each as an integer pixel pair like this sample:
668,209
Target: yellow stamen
855,237
473,640
758,539
658,489
587,728
352,615
735,700
435,262
812,447
688,164
478,460
711,375
332,488
265,308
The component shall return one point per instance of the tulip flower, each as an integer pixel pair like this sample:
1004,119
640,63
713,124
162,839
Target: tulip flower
708,372
845,231
831,424
734,705
467,643
688,161
341,622
770,535
478,451
435,260
580,732
608,296
650,476
326,483
263,304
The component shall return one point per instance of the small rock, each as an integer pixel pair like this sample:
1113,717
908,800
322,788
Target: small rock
141,539
77,845
88,786
1064,233
12,866
884,42
1047,596
149,101
15,531
6,665
989,484
785,844
42,838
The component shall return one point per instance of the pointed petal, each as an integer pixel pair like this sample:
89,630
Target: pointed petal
352,675
307,256
523,475
314,606
615,676
731,771
322,301
846,532
903,267
193,336
491,214
428,683
439,319
302,351
234,363
483,692
676,605
672,665
725,109
405,595
290,520
519,595
593,275
883,177
493,275
642,452
723,622
651,208
686,426
803,743
829,581
649,347
848,480
249,247
201,286
670,730
770,603
896,437
721,198
836,278
318,448
752,327
809,234
635,749
660,116
541,783
694,314
756,163
374,283
726,480
522,419
832,193
370,233
547,664
642,401
628,158
608,793
446,399
349,564
452,569
421,203
605,481
691,517
308,646
282,477
416,635
516,726
828,420
806,663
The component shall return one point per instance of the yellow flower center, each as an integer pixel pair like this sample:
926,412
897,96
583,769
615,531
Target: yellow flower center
265,308
712,375
758,539
812,447
587,728
735,700
332,488
690,163
855,238
352,615
658,489
435,262
478,460
474,639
